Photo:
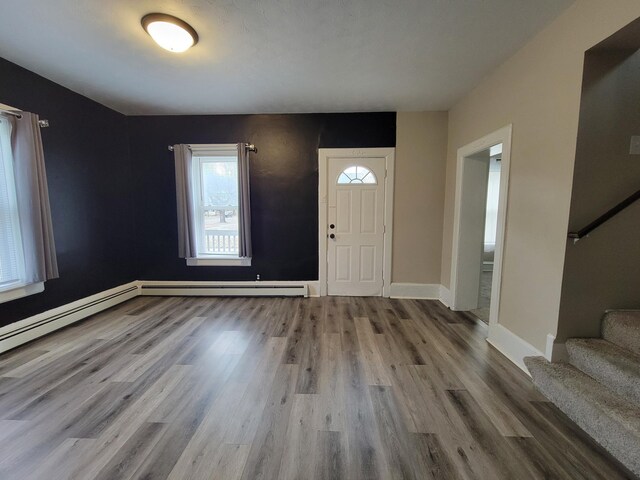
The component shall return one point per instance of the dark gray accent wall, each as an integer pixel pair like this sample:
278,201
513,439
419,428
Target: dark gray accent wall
112,189
90,189
284,186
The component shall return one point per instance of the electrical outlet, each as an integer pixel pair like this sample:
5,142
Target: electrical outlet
635,145
258,277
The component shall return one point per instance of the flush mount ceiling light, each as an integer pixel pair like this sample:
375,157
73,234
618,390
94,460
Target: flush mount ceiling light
170,32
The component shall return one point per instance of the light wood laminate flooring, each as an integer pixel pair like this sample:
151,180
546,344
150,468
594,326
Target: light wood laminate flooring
280,388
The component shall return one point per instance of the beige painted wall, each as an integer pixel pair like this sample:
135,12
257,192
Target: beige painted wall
538,91
421,151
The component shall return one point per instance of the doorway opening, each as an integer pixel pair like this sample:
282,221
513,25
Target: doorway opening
490,231
479,225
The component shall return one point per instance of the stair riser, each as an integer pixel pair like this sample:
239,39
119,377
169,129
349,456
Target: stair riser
621,382
622,327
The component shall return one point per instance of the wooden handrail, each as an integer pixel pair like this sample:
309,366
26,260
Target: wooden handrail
609,214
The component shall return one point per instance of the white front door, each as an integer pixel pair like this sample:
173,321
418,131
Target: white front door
355,227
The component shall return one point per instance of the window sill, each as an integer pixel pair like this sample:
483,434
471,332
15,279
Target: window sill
219,262
21,291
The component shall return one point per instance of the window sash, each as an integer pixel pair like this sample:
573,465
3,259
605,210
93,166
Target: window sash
203,154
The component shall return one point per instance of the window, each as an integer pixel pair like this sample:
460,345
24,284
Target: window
12,262
356,174
216,205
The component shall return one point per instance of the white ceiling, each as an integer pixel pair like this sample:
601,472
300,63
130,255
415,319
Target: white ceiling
267,56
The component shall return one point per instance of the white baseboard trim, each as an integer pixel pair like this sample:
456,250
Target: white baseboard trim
511,346
423,291
480,323
248,289
445,296
28,329
314,288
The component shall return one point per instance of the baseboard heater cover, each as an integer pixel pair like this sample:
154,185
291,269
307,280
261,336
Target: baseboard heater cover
28,329
225,290
34,327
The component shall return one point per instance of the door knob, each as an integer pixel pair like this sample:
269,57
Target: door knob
332,226
332,236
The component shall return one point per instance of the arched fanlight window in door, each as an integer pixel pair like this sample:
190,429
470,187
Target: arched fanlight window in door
357,174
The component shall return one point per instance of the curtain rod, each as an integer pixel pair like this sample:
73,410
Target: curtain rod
251,147
41,123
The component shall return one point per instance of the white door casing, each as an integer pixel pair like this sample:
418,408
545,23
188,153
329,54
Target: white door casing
357,261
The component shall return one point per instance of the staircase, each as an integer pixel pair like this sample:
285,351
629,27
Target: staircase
599,388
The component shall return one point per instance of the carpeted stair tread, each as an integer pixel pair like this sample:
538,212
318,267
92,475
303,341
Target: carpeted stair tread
615,367
622,327
609,419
